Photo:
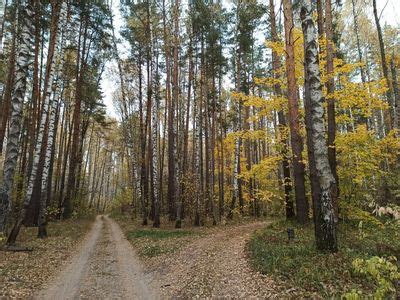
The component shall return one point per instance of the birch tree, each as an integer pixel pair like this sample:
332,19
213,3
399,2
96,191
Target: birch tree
55,86
50,72
325,227
23,62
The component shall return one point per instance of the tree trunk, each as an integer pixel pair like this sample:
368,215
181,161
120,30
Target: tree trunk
8,92
325,226
330,86
389,97
21,73
276,65
3,9
174,143
294,122
54,86
171,134
395,85
41,137
76,121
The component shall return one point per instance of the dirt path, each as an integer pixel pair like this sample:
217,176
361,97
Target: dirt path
106,267
215,266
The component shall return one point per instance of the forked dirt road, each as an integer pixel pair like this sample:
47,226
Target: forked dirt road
106,267
212,266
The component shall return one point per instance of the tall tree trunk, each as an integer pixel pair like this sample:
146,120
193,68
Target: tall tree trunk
325,225
178,171
330,86
23,61
35,88
3,7
41,137
8,92
196,160
237,186
143,171
276,65
76,120
357,33
171,133
54,86
294,117
393,116
395,85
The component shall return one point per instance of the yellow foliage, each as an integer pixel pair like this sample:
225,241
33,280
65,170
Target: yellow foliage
265,174
361,156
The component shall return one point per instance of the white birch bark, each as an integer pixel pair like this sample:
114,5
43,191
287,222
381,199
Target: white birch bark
2,11
154,154
325,218
54,85
23,61
197,147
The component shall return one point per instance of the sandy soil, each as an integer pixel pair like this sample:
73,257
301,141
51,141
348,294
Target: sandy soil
106,267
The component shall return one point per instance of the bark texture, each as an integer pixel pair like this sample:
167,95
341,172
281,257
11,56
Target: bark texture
276,66
23,61
56,89
294,117
325,226
41,138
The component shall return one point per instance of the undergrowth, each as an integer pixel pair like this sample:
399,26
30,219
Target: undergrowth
300,265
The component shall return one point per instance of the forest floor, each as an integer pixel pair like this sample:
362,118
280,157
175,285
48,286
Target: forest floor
123,260
205,262
23,273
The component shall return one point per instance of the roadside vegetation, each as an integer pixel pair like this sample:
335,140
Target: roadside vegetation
365,264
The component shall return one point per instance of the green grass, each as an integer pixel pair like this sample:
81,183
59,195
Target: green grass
298,263
155,250
158,234
151,242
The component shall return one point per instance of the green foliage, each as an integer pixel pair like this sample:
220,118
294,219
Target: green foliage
356,215
158,234
155,250
297,263
156,242
380,270
123,198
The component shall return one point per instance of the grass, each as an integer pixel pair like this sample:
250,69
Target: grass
158,234
154,243
299,264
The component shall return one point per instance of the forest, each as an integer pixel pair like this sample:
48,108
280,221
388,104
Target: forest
199,149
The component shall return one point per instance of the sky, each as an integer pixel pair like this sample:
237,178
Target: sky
390,15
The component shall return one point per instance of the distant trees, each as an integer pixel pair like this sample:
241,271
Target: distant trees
43,137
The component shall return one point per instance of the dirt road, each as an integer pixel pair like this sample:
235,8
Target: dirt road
106,267
211,266
215,266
